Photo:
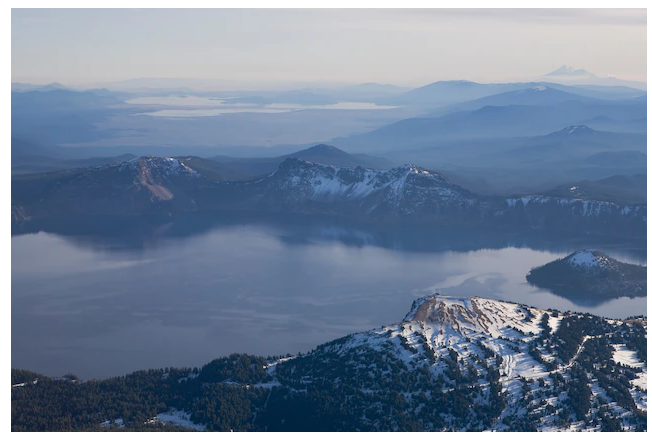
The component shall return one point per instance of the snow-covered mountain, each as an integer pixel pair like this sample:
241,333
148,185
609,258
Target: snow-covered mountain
401,191
574,130
407,194
591,274
482,364
453,363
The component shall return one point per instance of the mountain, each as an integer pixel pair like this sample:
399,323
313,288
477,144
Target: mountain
453,92
403,195
591,274
453,363
538,94
325,154
542,93
570,71
572,142
140,186
624,189
382,193
444,93
489,122
535,164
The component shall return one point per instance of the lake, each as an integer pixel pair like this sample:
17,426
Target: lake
175,295
193,106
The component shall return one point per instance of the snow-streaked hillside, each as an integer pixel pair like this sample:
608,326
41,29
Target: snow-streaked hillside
508,366
406,189
452,364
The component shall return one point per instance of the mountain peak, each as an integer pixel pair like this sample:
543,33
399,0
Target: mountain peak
575,130
589,259
323,147
570,71
453,317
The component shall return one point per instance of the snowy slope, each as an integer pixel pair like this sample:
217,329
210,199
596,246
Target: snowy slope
521,363
407,188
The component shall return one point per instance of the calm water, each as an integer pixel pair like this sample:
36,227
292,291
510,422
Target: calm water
107,306
191,106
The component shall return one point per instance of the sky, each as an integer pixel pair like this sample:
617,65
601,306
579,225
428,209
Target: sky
406,47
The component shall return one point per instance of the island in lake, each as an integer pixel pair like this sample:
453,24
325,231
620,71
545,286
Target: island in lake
590,274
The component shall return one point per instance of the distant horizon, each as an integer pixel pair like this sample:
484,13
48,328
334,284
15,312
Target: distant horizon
231,85
307,47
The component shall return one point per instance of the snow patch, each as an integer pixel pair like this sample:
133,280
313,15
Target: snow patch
178,418
115,423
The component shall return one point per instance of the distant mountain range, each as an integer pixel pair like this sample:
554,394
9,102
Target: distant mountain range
450,93
452,364
535,163
538,94
591,274
152,185
573,142
493,121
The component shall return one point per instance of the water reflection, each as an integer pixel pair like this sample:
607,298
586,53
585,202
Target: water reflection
161,293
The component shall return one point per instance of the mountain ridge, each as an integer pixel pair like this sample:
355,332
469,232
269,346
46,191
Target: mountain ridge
399,195
453,363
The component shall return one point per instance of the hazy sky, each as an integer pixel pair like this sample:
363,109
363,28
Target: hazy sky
400,46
